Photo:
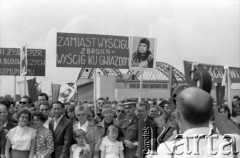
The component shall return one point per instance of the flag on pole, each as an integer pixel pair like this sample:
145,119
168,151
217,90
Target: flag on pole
67,91
224,79
21,88
173,83
229,84
33,89
23,60
55,91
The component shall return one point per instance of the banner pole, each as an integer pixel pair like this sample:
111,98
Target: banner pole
140,92
94,92
24,84
77,95
14,95
229,90
170,81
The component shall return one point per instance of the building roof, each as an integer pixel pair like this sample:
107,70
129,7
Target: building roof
82,82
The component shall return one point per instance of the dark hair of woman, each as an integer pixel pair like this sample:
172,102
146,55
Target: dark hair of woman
41,116
24,111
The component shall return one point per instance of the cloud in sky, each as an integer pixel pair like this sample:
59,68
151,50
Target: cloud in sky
196,30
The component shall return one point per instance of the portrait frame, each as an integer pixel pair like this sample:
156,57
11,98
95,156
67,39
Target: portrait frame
65,97
134,45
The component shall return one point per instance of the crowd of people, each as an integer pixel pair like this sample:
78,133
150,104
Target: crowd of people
124,129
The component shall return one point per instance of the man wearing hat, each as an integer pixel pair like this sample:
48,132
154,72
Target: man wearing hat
143,57
130,127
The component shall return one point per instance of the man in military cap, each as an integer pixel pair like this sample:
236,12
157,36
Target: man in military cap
130,127
194,113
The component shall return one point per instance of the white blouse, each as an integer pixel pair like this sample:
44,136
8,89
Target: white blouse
20,137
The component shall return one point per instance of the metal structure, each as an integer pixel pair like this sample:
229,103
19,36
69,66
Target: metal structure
88,72
160,73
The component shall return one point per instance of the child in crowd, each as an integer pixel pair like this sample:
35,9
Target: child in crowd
111,146
81,149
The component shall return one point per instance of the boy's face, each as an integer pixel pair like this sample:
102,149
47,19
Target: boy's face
80,140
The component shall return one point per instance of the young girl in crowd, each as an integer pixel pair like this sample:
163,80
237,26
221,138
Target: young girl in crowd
111,146
81,149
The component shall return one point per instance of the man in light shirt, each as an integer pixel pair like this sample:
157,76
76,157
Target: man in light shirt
197,140
93,135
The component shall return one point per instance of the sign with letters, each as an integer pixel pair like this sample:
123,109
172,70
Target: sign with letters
216,71
36,62
92,51
10,61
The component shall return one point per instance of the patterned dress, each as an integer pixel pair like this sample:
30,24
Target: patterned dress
81,152
112,149
44,142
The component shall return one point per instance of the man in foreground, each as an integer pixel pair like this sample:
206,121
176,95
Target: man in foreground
194,113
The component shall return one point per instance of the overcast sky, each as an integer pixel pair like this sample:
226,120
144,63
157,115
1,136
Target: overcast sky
205,31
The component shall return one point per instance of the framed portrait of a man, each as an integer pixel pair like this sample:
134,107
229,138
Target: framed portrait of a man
66,92
142,53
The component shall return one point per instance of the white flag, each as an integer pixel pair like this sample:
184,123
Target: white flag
224,79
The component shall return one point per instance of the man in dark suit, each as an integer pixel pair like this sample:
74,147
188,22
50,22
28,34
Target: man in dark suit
62,129
147,132
5,125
